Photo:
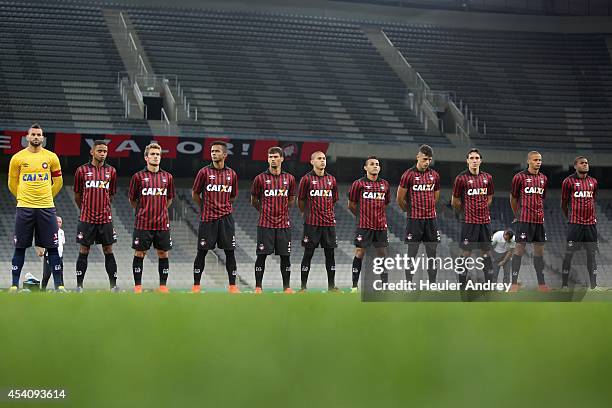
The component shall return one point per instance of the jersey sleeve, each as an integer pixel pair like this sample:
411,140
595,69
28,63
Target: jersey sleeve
437,182
491,188
134,193
292,186
54,166
387,194
198,183
13,176
335,191
303,189
566,190
78,181
353,193
234,192
545,186
171,193
516,186
256,187
405,180
458,187
112,188
595,189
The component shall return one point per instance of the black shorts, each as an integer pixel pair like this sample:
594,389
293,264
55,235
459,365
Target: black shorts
579,235
35,222
475,236
530,232
315,235
422,231
365,238
89,234
142,240
220,233
273,241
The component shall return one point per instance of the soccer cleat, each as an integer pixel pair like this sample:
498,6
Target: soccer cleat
258,290
289,291
354,290
514,288
334,290
565,289
163,289
79,289
598,289
114,289
303,290
138,289
195,289
234,289
61,289
543,288
13,289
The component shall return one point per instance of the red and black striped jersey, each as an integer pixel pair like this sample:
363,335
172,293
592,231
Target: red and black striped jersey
580,193
530,190
474,191
320,194
372,198
420,197
216,187
273,192
152,191
97,186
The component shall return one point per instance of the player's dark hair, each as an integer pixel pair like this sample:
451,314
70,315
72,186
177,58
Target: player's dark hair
369,158
509,232
35,125
578,158
473,150
220,143
100,142
426,150
276,150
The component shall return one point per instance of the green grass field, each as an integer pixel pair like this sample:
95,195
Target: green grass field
314,350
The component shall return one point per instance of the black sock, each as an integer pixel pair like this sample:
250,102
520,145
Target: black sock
305,267
285,267
17,265
565,269
56,266
260,267
330,267
198,266
487,268
410,271
538,264
591,266
46,273
230,266
81,268
137,270
357,262
462,277
111,269
163,267
430,250
516,267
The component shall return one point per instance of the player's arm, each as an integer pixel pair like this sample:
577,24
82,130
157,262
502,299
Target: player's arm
13,176
291,192
56,176
234,193
171,192
456,202
255,193
302,205
352,206
401,198
78,199
489,200
195,196
302,194
490,191
291,201
255,202
134,193
565,193
514,205
436,196
514,195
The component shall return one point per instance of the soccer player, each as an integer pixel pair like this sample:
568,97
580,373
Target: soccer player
272,193
527,201
214,190
317,195
473,193
368,198
95,185
151,194
579,191
61,240
417,195
35,177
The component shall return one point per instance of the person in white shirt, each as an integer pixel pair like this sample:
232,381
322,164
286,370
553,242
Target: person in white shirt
61,240
503,247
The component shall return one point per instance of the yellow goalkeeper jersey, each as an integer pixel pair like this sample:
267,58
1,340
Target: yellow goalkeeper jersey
31,178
